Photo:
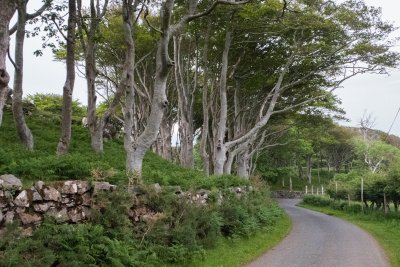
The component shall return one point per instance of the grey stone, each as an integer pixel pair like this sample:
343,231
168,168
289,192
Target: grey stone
69,187
20,210
2,193
58,215
36,196
83,186
103,186
1,216
22,200
86,199
3,203
157,187
78,214
42,207
10,182
39,185
9,218
27,218
51,194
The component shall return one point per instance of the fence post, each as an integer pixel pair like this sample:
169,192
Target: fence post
290,184
306,190
312,190
322,189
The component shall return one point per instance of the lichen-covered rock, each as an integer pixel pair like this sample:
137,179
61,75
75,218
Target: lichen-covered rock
69,187
58,215
36,196
86,200
43,207
39,185
27,218
10,182
83,187
78,214
103,186
22,200
51,194
20,210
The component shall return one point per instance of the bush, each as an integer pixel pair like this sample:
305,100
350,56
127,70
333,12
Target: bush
317,201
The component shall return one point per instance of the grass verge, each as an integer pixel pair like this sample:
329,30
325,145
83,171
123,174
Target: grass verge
385,231
237,252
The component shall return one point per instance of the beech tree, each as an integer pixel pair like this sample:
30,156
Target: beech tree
168,28
8,8
23,130
321,44
65,138
89,37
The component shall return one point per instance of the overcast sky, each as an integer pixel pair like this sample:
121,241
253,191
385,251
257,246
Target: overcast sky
375,94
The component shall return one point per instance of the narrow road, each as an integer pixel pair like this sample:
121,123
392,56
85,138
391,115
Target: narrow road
322,241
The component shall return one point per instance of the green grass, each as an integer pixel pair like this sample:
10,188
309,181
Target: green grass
81,162
239,251
384,230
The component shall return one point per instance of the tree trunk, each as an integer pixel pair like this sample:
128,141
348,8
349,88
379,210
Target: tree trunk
309,167
243,164
7,10
219,142
24,132
65,139
164,140
89,43
205,127
185,107
127,83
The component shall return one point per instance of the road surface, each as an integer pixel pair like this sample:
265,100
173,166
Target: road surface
322,241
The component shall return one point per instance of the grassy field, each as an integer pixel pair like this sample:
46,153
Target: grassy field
384,229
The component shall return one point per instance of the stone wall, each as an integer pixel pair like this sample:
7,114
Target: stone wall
67,201
71,201
287,194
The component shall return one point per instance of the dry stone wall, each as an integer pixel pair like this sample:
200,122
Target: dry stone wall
67,201
71,201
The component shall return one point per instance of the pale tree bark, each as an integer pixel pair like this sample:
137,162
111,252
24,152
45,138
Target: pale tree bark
185,89
220,148
163,64
243,164
309,168
88,36
65,139
24,133
7,10
127,79
205,101
163,146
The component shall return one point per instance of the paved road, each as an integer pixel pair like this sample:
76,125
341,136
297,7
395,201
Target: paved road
322,241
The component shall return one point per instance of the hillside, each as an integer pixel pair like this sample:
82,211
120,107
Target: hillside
143,228
82,162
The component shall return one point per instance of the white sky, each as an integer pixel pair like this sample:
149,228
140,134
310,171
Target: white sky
375,94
